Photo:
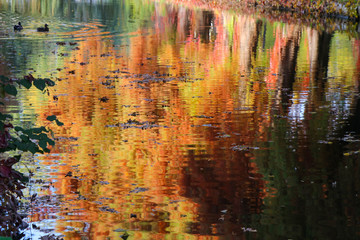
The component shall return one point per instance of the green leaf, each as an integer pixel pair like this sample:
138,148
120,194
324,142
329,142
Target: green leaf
31,147
34,136
26,83
43,144
43,129
2,91
27,131
5,238
59,123
4,79
10,89
43,136
51,142
52,134
5,116
19,129
46,150
49,82
40,84
21,146
24,138
51,118
39,130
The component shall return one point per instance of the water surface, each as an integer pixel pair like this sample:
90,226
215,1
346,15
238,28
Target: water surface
186,123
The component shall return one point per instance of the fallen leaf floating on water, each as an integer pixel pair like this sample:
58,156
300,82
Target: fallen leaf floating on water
203,116
61,43
33,197
51,237
119,230
134,114
107,209
81,197
223,136
125,236
104,99
243,148
136,124
139,189
106,83
35,227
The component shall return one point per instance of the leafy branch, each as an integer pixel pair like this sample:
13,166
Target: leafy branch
17,139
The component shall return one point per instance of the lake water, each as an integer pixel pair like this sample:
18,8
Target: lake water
182,122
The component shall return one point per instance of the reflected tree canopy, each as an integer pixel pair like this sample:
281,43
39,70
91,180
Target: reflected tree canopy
183,122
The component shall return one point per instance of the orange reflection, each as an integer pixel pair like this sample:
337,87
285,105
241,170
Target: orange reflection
159,131
158,154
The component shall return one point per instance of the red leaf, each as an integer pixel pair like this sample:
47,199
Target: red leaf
9,161
19,193
16,174
29,77
5,171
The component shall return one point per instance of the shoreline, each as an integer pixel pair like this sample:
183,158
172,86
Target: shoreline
325,21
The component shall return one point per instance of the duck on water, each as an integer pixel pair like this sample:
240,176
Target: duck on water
43,29
18,27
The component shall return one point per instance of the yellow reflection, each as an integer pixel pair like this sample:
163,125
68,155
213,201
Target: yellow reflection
144,120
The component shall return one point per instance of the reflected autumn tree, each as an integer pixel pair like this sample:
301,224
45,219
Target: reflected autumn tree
353,125
319,48
310,168
221,176
178,113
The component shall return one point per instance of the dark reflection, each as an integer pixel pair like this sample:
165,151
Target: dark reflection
322,61
324,41
226,187
316,186
206,26
353,123
287,71
255,39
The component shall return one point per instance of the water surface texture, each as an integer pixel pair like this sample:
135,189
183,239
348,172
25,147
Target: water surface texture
186,123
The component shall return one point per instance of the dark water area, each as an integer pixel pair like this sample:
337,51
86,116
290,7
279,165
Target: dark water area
186,123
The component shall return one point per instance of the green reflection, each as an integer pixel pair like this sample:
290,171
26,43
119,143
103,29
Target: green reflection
313,182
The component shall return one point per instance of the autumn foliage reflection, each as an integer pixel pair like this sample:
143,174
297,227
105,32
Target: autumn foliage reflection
161,129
